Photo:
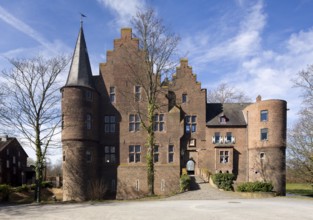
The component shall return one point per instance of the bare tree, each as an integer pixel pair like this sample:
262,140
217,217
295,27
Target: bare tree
148,66
224,93
300,137
31,107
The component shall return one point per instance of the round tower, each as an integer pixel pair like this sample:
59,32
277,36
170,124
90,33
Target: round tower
80,127
267,142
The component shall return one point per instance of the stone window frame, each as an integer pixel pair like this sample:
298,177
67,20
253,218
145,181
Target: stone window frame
112,94
190,123
88,156
109,124
134,122
110,154
158,122
224,156
264,115
184,98
88,95
156,153
137,91
88,121
262,155
264,134
171,153
134,153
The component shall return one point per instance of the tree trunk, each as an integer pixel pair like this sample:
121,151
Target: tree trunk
150,145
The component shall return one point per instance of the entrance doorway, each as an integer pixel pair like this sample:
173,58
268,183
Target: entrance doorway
190,166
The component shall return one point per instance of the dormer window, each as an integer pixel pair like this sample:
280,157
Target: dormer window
223,120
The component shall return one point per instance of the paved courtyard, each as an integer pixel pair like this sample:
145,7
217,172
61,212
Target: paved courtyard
223,209
204,202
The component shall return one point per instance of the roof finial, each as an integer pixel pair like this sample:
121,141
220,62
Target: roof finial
81,18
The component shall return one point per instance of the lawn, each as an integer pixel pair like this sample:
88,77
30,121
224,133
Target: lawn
303,189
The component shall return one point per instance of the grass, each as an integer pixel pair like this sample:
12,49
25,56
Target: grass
302,189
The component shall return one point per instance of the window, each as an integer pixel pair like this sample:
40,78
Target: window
109,124
217,138
228,138
8,164
156,153
137,185
88,121
262,155
63,155
19,153
158,122
18,164
88,156
62,122
264,134
8,151
224,155
14,160
134,153
112,94
14,170
171,153
88,95
134,122
109,154
191,123
264,115
137,93
184,98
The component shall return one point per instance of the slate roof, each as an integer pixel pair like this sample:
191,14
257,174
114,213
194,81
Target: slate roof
80,71
232,111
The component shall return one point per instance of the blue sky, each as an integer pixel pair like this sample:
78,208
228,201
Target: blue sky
256,46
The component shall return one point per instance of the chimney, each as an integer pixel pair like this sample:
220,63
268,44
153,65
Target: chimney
4,138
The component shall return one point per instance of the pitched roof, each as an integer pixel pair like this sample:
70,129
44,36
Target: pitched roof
80,71
8,142
232,111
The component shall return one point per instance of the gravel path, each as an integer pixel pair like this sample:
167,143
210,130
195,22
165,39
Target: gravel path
201,190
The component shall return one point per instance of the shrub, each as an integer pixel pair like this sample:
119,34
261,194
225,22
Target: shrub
22,188
224,180
46,184
33,186
184,183
255,187
5,191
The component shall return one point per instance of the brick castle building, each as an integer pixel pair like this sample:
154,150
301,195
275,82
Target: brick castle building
104,143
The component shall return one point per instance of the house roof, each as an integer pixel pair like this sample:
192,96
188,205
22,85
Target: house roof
231,111
80,71
8,142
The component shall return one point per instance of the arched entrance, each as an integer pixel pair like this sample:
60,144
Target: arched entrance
190,166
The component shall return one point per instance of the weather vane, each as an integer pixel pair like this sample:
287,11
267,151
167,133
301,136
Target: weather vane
81,18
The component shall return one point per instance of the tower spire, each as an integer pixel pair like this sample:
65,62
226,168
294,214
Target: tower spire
80,71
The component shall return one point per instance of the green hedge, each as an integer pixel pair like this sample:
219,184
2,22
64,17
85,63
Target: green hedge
184,183
255,187
224,180
5,191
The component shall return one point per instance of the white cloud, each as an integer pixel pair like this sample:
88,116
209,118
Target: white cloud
123,9
26,29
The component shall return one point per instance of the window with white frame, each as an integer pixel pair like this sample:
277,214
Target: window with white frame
109,123
134,153
109,154
216,139
112,94
264,115
228,138
224,156
158,122
134,122
191,123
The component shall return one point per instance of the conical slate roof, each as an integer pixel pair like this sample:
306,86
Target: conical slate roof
80,70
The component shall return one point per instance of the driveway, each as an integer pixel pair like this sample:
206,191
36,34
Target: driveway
223,209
